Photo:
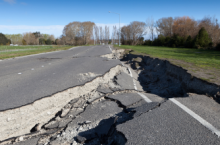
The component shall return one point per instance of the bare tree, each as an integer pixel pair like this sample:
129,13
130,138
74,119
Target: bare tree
52,38
114,34
71,33
30,38
151,27
87,31
137,30
78,33
15,38
101,35
96,28
164,26
106,34
126,35
212,27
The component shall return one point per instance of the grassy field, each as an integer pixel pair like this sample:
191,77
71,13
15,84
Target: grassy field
204,63
15,51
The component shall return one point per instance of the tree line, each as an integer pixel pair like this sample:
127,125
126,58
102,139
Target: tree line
84,33
174,32
27,38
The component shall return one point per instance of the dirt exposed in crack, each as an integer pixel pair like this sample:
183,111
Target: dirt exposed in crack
44,109
167,80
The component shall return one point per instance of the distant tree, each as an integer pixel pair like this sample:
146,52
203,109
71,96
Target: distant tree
24,42
126,35
15,38
189,42
52,38
96,31
202,39
151,27
141,40
30,39
161,40
87,31
176,41
78,33
137,30
49,42
148,42
42,41
164,26
4,40
185,26
212,27
37,34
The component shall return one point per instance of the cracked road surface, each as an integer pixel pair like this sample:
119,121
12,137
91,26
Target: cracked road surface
78,96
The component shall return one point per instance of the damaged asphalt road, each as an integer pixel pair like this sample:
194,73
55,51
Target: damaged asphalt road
85,95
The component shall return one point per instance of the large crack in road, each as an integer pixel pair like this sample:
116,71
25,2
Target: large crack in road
110,109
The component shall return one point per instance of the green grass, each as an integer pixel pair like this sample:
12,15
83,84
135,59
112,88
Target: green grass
15,51
197,57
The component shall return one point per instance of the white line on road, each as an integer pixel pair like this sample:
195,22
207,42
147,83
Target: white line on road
187,110
197,117
145,98
130,72
73,48
135,86
110,48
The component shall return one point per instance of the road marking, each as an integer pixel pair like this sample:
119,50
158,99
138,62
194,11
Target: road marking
145,98
197,117
135,86
130,72
73,48
110,48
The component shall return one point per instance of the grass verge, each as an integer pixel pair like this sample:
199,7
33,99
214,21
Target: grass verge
15,51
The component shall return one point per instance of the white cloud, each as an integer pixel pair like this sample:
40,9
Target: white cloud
52,29
10,1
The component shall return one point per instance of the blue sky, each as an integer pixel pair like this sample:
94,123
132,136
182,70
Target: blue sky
50,16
